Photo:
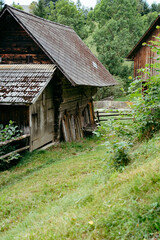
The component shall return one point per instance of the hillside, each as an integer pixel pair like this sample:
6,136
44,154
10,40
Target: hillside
70,192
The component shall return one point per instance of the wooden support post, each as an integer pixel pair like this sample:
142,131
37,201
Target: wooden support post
98,116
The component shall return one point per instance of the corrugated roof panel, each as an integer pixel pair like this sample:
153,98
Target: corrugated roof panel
64,47
23,83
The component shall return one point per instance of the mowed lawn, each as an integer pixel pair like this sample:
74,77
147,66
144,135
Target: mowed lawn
71,192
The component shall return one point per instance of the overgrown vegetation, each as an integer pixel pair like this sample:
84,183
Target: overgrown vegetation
70,192
147,96
145,112
8,132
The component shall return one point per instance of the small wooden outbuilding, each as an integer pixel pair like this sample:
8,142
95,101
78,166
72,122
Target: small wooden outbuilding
47,78
142,54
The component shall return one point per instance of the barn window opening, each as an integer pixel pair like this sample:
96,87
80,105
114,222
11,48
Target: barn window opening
94,65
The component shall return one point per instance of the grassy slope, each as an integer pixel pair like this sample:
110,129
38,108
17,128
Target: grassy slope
70,192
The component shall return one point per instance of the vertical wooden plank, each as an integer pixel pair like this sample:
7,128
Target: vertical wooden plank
72,128
91,112
65,132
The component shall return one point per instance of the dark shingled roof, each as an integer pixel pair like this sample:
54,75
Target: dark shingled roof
65,49
23,83
143,38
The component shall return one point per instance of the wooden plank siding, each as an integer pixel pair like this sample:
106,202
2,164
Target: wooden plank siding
76,110
16,46
42,119
145,56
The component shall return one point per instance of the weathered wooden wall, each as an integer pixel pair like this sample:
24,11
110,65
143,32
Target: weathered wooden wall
61,111
145,56
42,123
18,114
16,46
76,110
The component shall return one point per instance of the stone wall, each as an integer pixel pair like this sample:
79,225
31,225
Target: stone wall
111,105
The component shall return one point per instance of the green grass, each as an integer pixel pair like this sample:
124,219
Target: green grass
70,192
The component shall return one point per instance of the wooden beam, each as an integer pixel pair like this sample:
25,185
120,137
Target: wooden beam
14,140
16,151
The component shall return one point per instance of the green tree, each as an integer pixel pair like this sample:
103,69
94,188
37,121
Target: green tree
32,7
149,18
66,12
143,7
78,4
155,7
119,28
1,4
40,9
17,6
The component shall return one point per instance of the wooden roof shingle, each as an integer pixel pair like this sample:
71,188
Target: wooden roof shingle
23,83
65,49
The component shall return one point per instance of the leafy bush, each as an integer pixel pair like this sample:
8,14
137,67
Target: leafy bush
118,136
120,156
147,105
8,132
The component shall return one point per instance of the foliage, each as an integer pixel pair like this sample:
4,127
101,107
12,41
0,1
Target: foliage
119,151
64,12
143,7
120,27
147,105
112,91
1,4
8,132
17,6
118,136
47,2
155,7
147,19
32,7
39,8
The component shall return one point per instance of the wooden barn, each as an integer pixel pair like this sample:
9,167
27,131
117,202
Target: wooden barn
142,54
47,78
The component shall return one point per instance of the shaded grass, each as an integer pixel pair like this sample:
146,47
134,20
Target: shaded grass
70,192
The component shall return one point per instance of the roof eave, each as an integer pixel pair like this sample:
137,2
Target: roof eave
131,54
15,104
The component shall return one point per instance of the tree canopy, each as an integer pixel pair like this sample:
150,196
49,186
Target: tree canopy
119,28
1,4
64,12
17,6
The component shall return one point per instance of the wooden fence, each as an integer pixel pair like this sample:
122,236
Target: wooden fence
102,115
18,139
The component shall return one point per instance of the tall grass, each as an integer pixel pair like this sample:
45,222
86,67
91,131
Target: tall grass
70,192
